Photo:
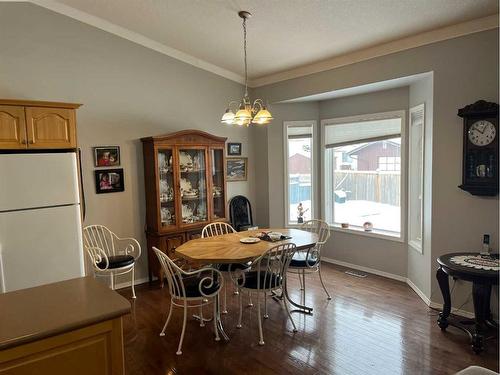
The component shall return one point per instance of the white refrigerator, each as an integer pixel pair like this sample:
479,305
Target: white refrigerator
40,224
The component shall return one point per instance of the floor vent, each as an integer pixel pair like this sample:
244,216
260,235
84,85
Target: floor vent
355,273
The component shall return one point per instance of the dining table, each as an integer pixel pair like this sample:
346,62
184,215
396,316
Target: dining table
228,248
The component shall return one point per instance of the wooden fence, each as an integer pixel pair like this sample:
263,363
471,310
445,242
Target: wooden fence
382,187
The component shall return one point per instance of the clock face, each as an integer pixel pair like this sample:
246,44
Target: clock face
482,133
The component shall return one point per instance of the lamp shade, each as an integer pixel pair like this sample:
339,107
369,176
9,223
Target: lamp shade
262,117
243,117
228,117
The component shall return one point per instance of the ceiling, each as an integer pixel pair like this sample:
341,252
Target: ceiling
282,34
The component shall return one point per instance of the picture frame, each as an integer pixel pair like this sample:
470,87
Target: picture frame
107,156
109,180
236,169
234,149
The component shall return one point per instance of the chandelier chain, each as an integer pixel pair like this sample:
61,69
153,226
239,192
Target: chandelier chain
245,54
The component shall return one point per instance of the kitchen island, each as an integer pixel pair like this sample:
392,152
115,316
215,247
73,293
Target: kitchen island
69,327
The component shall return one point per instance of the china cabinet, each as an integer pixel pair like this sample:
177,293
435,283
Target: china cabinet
185,189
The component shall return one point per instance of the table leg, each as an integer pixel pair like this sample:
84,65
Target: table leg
219,321
481,297
444,285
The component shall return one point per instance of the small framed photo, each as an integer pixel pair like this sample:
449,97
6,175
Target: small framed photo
109,180
237,169
107,156
234,149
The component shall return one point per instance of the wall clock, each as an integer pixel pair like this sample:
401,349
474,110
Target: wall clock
480,150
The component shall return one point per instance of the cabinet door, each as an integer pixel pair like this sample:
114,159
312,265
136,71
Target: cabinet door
12,128
51,128
171,243
193,188
166,189
218,184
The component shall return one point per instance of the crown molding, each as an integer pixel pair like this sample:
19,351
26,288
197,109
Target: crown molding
418,40
136,38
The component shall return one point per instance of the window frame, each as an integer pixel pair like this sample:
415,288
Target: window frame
413,242
393,236
298,124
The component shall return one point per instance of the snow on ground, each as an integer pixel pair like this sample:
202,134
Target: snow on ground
357,212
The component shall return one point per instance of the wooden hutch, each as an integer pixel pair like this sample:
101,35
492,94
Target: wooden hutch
185,179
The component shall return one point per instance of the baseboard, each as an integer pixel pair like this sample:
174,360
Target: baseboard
423,297
365,269
126,284
421,294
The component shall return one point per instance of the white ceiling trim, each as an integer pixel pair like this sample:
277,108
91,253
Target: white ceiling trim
429,37
433,36
137,38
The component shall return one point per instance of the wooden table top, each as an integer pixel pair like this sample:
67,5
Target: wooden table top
228,248
31,314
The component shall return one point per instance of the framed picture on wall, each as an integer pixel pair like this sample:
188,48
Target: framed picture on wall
237,169
107,156
109,181
234,149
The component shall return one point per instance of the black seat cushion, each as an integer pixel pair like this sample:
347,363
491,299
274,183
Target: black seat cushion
270,279
117,261
225,267
192,285
299,261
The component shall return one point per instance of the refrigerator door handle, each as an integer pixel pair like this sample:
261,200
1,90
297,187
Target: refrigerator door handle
84,206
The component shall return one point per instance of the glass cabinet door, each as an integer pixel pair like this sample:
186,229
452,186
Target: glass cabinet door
218,193
193,185
166,188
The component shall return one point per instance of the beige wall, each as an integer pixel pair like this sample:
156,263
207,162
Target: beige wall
127,92
465,70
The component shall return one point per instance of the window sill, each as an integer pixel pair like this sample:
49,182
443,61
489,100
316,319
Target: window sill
385,235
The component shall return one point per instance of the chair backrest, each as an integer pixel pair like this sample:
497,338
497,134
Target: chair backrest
272,266
98,236
172,272
216,229
322,229
240,212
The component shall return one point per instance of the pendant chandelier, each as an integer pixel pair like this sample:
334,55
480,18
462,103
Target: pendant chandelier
246,113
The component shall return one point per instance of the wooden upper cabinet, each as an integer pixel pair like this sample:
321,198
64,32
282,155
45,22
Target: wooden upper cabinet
50,128
12,128
30,124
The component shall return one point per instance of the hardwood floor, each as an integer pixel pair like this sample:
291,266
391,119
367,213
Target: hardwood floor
372,325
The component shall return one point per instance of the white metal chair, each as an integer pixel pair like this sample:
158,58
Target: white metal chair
218,229
111,255
267,274
309,261
190,289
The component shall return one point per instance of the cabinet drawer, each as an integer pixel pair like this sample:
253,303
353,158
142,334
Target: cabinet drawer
50,128
12,128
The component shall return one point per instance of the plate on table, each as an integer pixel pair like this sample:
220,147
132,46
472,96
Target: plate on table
249,240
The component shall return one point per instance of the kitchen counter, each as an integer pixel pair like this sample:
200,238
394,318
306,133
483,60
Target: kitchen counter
68,312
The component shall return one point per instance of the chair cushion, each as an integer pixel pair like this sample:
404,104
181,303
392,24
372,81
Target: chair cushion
271,280
117,261
224,267
192,285
299,261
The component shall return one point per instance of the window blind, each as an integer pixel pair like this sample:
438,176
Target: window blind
296,132
362,131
